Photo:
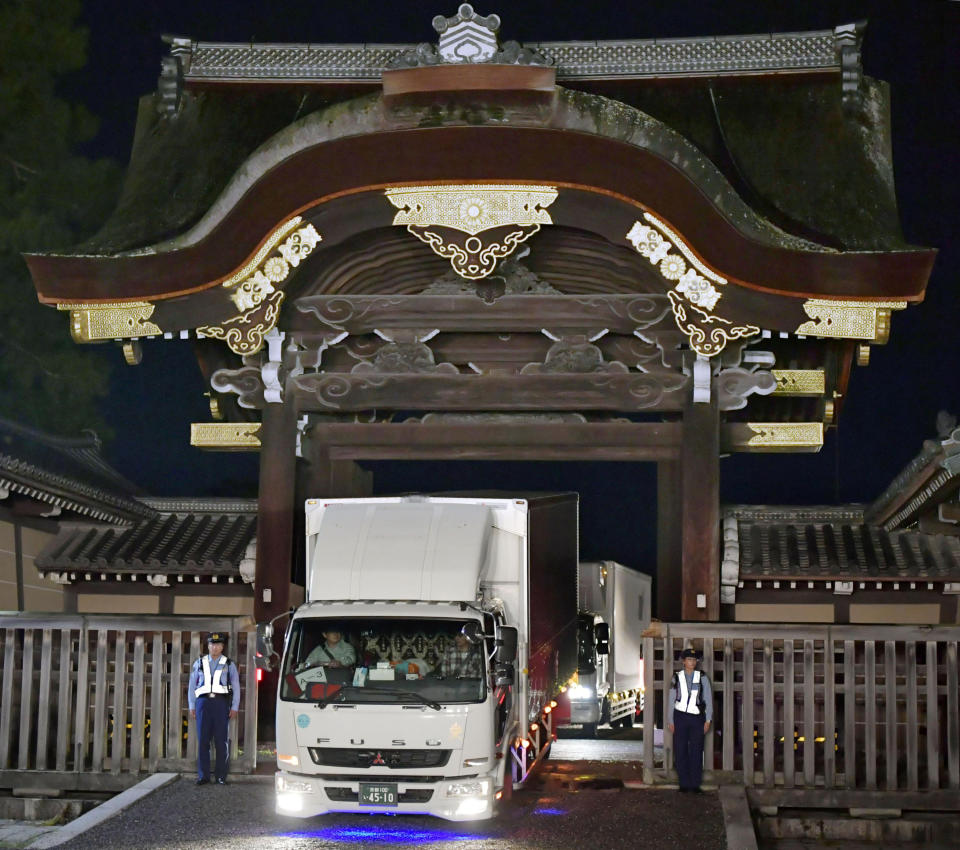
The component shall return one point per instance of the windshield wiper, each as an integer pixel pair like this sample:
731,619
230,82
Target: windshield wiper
401,693
337,696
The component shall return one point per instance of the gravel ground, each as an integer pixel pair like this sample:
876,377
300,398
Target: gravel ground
555,811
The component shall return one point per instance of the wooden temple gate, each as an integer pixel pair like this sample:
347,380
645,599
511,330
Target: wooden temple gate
836,708
493,259
104,698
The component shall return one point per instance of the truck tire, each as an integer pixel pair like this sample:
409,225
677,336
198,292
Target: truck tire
589,730
626,722
507,791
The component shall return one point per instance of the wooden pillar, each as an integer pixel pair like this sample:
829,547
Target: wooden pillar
669,508
700,474
275,519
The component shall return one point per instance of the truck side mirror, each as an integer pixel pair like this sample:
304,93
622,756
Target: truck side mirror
505,656
602,633
472,632
507,645
264,646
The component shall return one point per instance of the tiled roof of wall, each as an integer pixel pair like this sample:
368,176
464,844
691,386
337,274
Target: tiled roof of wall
199,543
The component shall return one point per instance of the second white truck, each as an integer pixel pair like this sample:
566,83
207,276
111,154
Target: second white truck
614,610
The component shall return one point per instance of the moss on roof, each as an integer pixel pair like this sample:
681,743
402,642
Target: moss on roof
786,145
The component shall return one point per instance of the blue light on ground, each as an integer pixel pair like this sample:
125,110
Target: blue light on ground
383,835
549,811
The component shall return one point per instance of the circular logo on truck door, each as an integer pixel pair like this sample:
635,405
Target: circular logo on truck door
303,720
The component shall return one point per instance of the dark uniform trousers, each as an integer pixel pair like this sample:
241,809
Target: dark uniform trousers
213,717
688,747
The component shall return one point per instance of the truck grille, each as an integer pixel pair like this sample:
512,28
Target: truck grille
412,795
390,759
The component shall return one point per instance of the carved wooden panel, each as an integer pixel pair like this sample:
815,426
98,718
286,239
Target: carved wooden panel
496,438
507,314
441,391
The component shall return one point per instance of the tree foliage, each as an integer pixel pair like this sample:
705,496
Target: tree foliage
50,197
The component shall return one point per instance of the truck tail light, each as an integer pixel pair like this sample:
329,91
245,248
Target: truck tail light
259,675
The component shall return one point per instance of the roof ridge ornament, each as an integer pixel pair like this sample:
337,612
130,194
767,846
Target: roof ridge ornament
468,38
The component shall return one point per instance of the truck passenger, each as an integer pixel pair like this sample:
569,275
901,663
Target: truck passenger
461,660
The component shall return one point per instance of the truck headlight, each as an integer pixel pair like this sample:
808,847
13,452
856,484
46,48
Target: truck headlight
289,802
292,787
580,692
469,788
472,807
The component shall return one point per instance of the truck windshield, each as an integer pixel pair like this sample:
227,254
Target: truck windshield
586,646
366,660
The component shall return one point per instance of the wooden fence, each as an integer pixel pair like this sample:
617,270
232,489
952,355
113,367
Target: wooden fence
107,695
833,707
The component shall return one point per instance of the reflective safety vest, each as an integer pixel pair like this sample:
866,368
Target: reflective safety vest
219,682
688,699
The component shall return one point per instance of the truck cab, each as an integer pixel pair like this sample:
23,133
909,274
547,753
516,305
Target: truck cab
410,724
416,679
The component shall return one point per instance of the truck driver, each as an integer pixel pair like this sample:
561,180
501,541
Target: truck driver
334,651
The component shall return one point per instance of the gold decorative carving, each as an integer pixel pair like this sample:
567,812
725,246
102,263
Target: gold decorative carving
473,257
123,320
244,333
849,319
693,296
214,404
255,282
225,436
254,294
473,226
132,352
472,208
829,412
708,333
784,436
863,355
800,382
694,282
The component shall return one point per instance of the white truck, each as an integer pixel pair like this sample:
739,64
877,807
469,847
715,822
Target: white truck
460,615
614,610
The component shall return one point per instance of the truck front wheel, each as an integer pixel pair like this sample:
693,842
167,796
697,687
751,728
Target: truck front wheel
507,791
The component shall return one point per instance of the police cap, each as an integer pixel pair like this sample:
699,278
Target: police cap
216,637
689,653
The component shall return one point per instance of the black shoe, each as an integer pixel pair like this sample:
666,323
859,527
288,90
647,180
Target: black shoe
684,790
221,782
203,782
696,790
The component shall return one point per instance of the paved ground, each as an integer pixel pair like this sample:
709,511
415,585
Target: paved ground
576,801
241,817
19,833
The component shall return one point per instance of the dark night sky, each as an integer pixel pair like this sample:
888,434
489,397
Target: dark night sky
892,404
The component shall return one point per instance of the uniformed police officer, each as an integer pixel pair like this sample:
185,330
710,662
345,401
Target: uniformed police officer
689,715
214,698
